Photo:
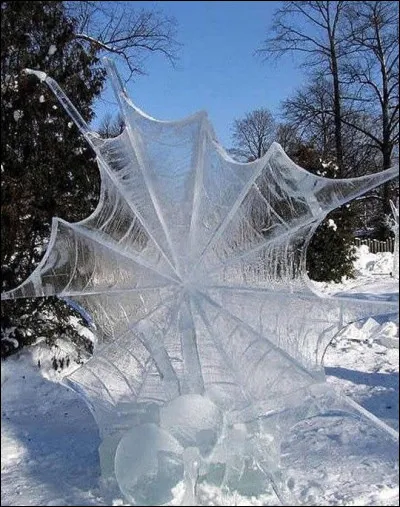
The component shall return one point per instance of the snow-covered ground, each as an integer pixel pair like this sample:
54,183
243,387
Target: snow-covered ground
364,358
49,438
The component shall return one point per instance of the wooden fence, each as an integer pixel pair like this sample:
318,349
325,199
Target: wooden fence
375,245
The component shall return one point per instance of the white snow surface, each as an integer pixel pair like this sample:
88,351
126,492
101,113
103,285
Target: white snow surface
52,50
49,438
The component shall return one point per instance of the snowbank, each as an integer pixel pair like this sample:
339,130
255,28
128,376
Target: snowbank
368,263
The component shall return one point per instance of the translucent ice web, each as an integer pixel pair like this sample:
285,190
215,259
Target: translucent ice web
192,267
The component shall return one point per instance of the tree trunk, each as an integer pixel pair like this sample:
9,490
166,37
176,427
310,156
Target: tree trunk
337,111
386,210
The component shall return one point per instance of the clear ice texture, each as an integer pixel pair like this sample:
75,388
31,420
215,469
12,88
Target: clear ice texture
211,338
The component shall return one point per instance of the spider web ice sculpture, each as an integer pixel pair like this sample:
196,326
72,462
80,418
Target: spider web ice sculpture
192,266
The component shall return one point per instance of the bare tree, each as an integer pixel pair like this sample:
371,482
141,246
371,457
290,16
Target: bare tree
116,28
253,134
111,127
313,28
287,136
310,113
372,72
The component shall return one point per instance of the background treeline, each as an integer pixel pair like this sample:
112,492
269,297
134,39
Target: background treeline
343,122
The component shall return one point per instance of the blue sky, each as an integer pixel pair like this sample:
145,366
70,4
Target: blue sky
217,70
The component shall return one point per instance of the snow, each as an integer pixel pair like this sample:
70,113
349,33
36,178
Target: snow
374,264
365,366
18,114
13,341
332,224
52,50
372,276
50,440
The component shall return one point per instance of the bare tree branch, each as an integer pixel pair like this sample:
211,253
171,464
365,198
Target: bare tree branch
117,28
373,32
313,28
111,127
253,134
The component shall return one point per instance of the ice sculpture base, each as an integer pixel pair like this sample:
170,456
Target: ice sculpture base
166,455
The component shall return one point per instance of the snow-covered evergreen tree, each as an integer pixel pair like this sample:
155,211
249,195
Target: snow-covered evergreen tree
331,252
47,169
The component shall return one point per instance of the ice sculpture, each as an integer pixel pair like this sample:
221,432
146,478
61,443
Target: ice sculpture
211,341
